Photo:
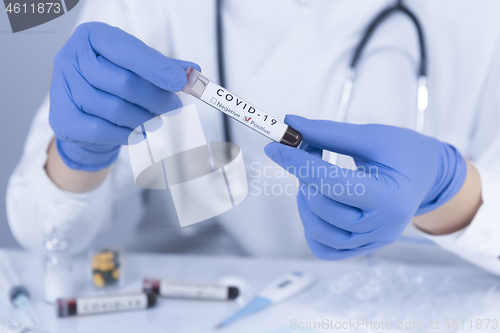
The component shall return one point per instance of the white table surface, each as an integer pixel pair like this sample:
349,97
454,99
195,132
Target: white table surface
252,274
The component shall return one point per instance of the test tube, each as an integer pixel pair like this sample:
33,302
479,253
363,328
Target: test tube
186,289
235,107
90,305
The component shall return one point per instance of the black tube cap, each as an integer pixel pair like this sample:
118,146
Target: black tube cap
232,293
291,138
151,300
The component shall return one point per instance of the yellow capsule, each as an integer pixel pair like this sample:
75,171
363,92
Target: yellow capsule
98,280
104,256
106,266
116,274
96,263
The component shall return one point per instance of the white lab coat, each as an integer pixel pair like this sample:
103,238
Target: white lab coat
286,57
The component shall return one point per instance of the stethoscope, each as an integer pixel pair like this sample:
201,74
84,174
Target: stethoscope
347,88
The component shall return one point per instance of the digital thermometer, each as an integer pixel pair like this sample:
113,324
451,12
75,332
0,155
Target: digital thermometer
279,290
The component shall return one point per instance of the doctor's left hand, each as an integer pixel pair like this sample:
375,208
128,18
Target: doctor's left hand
400,173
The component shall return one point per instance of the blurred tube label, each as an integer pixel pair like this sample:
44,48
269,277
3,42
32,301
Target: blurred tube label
26,14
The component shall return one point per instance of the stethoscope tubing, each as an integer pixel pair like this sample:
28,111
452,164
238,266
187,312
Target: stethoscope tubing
347,88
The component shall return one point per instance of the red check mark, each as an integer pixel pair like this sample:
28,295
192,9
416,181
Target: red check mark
247,119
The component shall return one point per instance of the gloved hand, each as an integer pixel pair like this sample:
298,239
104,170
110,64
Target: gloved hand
105,84
347,213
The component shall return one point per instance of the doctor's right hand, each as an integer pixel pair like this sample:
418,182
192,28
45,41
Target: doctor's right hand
105,84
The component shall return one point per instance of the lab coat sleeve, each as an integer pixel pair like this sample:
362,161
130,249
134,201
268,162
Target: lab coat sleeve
36,207
479,242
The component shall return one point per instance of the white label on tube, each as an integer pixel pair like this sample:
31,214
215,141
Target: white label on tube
183,289
244,112
114,303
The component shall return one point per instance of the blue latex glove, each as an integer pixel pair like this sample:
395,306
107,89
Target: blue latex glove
105,84
347,213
